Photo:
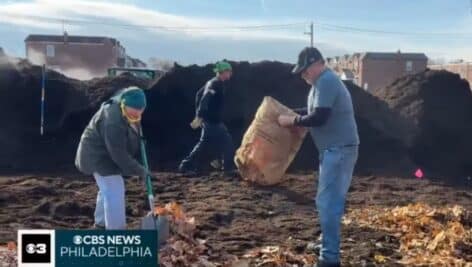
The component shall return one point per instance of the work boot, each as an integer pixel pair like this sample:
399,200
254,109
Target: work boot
216,164
98,227
189,173
314,247
186,171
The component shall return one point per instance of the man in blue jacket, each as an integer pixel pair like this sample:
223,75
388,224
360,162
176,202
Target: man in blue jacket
215,138
330,117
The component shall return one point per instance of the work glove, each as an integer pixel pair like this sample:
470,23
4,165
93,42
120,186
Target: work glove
216,164
196,123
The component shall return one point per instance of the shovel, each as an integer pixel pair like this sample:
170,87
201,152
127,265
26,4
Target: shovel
151,221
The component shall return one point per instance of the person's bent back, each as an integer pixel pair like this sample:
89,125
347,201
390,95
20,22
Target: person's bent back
108,150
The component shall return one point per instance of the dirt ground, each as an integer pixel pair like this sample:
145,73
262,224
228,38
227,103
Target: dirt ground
232,215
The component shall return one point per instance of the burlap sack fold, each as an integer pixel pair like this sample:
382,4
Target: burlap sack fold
267,149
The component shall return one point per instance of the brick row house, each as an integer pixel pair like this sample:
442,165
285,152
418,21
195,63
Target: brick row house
374,70
91,56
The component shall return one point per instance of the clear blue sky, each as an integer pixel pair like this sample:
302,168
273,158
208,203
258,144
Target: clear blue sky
444,27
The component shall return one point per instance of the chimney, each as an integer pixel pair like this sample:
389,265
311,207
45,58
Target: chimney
399,55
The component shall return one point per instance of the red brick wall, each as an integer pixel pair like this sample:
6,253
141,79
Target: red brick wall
92,58
377,73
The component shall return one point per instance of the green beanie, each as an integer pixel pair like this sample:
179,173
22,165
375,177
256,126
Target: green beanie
222,66
134,97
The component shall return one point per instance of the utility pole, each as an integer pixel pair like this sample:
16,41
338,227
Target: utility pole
311,33
43,92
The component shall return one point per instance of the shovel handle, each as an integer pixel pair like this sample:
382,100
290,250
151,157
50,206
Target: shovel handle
146,165
149,185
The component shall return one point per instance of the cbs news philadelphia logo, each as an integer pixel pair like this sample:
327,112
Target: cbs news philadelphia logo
87,248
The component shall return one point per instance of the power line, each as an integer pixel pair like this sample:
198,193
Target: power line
159,27
407,36
355,29
236,28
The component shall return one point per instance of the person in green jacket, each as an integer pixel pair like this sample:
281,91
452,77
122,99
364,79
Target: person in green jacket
108,150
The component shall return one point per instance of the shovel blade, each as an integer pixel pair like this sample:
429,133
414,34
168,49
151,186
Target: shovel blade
159,223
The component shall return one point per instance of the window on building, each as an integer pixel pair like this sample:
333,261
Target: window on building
50,51
409,66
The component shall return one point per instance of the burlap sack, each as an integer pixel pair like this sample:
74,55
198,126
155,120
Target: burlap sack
267,148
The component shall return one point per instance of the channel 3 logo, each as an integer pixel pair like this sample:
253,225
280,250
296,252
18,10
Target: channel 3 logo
35,248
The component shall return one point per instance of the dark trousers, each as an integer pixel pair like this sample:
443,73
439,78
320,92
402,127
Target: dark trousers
215,143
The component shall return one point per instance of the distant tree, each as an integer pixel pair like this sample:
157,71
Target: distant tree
457,61
436,61
160,64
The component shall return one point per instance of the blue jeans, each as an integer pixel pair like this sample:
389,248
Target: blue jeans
335,175
215,143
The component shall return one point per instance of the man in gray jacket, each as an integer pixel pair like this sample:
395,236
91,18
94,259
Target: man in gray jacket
108,149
